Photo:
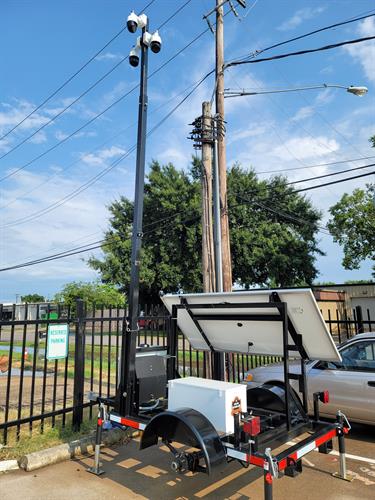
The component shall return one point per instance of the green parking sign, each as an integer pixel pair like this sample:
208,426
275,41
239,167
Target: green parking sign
57,341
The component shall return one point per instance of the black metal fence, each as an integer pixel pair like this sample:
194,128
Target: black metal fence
36,392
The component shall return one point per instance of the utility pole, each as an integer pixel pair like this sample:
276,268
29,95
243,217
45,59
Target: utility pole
208,262
221,152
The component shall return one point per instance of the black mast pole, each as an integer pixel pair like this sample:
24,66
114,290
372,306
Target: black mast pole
126,389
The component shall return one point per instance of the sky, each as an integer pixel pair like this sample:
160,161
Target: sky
43,207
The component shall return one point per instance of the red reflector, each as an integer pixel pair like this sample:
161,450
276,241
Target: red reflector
325,398
252,426
268,478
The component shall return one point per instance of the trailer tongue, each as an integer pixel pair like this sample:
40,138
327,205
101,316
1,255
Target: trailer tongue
221,421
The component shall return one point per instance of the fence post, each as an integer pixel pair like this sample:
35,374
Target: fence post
358,313
79,365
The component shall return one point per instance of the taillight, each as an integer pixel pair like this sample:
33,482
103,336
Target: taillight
252,426
324,397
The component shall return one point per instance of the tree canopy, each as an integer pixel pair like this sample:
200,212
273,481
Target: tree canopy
353,226
32,298
100,294
273,233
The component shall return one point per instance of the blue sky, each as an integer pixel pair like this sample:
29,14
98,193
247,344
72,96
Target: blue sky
45,42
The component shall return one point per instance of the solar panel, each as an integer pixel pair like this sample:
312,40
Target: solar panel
234,332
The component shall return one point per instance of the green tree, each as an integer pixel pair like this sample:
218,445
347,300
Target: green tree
273,233
353,226
101,294
170,249
32,298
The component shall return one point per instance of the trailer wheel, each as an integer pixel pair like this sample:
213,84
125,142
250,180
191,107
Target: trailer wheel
191,428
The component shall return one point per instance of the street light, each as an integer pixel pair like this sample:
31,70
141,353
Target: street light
130,329
352,89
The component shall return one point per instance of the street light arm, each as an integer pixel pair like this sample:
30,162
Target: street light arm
359,91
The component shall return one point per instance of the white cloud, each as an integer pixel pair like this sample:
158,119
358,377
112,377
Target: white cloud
364,52
100,158
306,148
60,135
299,16
109,56
39,138
13,114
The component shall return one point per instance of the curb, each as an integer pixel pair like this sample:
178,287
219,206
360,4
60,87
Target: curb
66,451
8,465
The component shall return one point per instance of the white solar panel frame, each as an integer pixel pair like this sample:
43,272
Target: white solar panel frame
266,336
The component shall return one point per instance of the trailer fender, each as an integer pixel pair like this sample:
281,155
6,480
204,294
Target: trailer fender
188,427
271,396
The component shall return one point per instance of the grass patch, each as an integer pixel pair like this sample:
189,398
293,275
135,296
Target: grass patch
36,440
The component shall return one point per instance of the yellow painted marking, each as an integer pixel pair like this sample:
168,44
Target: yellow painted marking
129,463
151,471
222,482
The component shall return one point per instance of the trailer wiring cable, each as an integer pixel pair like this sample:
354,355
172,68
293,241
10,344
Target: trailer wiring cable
305,35
101,113
111,166
65,83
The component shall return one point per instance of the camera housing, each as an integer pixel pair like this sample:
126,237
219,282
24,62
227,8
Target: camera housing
155,42
132,22
134,57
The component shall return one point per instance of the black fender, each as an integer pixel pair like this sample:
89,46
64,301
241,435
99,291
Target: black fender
188,427
272,397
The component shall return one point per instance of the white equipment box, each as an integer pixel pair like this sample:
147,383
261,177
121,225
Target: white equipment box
212,398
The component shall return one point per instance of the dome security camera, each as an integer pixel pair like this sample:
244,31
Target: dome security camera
155,43
134,57
132,22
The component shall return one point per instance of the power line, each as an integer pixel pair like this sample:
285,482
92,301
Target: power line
314,166
314,32
91,181
65,139
334,182
98,244
332,173
62,111
288,215
65,169
117,101
82,249
65,83
301,52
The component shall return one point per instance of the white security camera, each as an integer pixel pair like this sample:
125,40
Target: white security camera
134,57
155,43
133,22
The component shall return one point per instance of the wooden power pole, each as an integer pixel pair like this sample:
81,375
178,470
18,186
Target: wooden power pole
208,258
222,161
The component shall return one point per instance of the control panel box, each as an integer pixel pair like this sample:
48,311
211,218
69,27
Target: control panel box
213,398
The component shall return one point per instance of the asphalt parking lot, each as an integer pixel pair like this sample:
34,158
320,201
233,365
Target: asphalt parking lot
130,473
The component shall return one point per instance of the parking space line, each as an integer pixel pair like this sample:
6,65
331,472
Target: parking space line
348,455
